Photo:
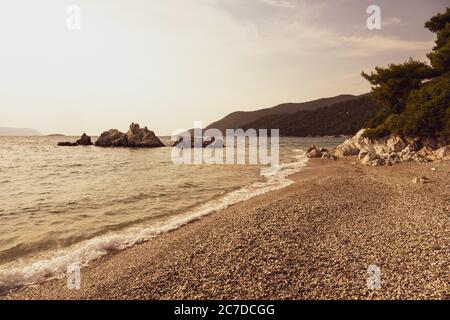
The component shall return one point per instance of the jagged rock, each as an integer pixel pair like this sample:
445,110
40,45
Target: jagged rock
369,158
408,153
393,149
426,154
85,140
112,138
135,138
314,152
443,153
142,138
349,147
395,144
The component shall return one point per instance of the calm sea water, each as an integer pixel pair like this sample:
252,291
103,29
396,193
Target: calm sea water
65,205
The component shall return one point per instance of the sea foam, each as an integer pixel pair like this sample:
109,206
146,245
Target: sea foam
24,273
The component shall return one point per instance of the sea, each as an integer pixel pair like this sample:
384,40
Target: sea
65,206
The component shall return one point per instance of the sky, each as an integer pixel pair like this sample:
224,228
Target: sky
168,63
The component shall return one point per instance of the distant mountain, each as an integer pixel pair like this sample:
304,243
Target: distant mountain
343,118
240,118
5,131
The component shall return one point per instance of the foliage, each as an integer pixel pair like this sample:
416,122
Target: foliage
440,56
409,103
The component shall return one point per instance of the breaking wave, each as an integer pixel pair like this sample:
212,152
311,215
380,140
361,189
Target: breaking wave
24,273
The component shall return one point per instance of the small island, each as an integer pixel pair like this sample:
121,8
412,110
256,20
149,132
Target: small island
85,140
136,137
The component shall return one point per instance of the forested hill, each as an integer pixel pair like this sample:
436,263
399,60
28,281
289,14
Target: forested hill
343,118
240,118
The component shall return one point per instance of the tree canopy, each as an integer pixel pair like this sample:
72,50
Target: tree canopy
414,97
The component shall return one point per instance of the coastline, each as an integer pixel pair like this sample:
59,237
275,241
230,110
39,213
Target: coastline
311,240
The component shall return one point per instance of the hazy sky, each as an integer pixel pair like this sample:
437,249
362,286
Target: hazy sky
166,63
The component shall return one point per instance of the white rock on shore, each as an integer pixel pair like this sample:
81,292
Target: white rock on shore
393,149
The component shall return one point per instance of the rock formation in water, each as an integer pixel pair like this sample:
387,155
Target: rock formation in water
199,142
85,140
134,138
394,149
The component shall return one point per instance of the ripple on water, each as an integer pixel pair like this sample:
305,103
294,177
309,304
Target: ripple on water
112,190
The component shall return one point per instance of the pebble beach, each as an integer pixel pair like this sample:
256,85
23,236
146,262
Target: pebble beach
312,240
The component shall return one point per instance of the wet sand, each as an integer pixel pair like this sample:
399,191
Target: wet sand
312,240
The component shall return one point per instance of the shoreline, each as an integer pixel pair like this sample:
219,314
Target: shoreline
311,240
54,265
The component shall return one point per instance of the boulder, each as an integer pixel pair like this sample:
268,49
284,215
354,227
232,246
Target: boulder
314,152
369,158
425,154
142,138
112,138
442,153
85,140
348,148
395,144
134,138
408,153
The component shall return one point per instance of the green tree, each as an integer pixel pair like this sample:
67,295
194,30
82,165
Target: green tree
440,56
409,103
427,111
392,86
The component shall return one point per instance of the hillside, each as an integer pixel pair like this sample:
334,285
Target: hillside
5,131
344,118
240,118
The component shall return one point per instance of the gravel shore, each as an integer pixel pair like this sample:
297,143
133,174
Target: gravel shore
312,240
